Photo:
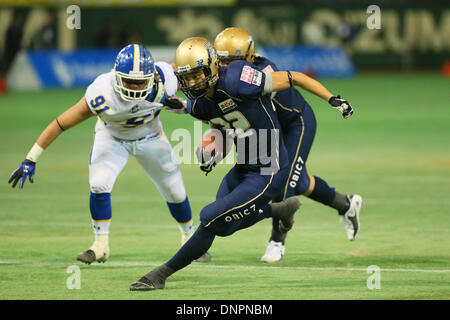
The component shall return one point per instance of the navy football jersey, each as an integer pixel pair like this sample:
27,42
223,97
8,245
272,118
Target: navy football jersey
238,104
285,100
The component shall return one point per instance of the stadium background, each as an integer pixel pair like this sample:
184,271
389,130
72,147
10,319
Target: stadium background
394,151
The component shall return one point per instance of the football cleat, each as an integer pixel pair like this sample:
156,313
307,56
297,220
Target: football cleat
99,251
274,252
87,256
155,279
285,211
206,257
350,219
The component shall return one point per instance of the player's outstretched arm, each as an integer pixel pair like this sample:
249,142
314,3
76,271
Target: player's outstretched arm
175,104
285,79
71,117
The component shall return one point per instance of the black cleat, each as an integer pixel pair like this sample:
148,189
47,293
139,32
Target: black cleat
87,257
285,211
155,279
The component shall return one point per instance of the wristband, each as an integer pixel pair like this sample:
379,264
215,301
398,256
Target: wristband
290,78
35,153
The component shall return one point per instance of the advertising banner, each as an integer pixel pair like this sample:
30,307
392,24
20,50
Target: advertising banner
54,69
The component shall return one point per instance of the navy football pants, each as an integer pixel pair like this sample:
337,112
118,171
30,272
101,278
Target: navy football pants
242,200
298,139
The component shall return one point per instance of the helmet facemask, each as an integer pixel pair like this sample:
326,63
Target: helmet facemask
199,89
128,94
134,72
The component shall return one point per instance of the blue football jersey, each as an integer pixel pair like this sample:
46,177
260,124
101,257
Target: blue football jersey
288,102
239,104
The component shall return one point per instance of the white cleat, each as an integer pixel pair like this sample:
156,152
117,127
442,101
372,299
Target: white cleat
274,252
351,218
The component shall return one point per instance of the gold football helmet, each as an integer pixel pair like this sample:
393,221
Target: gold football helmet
193,57
235,44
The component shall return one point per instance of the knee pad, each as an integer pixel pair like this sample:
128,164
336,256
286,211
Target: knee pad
219,227
101,181
174,193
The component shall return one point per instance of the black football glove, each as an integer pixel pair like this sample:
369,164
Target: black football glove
208,162
175,104
26,170
342,105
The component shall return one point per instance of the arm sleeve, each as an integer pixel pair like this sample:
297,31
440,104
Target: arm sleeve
196,109
168,77
244,80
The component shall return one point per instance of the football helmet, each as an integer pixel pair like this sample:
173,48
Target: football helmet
235,44
134,64
192,56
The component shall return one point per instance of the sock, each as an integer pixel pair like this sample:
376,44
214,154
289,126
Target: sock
181,212
276,235
322,192
340,203
101,213
197,245
328,196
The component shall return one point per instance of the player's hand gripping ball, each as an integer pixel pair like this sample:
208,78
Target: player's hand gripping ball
211,149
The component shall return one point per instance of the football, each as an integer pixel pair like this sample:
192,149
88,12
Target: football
214,140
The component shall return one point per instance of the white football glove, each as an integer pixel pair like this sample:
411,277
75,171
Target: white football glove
342,105
208,162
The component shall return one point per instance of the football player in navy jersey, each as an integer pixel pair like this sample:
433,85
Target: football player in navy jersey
298,125
236,100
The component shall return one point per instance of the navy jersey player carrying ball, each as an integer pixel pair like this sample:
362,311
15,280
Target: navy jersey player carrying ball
298,125
235,98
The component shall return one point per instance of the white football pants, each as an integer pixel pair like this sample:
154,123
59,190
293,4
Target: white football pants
155,155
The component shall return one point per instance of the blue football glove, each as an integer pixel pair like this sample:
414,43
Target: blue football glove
26,170
342,105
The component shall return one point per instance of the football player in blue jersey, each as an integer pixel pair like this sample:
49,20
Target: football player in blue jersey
298,125
127,101
236,100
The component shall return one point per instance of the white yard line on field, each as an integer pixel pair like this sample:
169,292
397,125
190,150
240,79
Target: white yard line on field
213,266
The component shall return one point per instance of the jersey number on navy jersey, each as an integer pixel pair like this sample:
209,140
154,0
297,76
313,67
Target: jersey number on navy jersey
234,120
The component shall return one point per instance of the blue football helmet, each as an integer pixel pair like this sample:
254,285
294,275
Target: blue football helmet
134,64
